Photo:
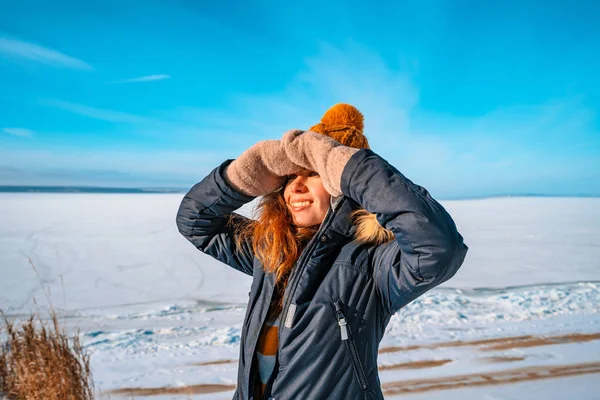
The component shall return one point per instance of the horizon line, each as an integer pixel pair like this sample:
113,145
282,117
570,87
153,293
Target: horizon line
181,189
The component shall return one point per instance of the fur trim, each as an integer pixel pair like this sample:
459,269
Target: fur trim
368,229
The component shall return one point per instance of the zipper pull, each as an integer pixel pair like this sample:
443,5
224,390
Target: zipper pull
343,329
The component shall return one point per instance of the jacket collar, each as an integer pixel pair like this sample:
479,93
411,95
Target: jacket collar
341,223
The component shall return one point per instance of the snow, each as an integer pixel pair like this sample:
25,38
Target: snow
150,306
575,387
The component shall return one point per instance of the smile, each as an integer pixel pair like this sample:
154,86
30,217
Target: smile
300,205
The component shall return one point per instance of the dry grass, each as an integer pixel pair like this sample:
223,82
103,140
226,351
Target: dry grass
39,361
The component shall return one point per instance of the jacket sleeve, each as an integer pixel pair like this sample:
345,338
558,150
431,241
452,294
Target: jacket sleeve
204,219
428,249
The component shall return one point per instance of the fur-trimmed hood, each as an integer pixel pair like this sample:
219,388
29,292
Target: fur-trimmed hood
368,229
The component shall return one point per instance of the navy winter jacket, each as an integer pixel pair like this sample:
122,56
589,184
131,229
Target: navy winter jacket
341,294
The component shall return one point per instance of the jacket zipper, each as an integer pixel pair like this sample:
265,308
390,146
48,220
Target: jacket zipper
297,272
346,336
253,372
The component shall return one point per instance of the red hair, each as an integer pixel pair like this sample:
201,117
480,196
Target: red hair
277,242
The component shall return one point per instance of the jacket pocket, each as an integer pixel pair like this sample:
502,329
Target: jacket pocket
346,336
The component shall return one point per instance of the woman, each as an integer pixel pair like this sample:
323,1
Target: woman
342,242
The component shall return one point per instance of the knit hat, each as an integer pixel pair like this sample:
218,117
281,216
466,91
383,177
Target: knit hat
343,123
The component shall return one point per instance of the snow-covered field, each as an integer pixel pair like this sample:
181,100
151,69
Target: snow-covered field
520,320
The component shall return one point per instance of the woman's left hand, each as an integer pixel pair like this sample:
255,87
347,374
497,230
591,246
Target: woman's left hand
319,153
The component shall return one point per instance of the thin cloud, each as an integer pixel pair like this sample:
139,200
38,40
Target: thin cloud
19,50
130,167
148,78
450,155
21,132
97,113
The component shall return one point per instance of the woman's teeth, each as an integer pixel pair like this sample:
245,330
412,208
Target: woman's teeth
301,204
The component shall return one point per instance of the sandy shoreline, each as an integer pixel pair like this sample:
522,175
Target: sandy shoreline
409,386
489,378
438,383
511,342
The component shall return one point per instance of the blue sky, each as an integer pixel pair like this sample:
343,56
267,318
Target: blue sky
465,98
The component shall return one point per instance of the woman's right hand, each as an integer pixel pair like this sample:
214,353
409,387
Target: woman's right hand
261,169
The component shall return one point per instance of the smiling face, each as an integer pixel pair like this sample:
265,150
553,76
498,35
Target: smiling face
306,198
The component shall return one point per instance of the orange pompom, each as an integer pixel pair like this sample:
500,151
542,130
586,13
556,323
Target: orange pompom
344,114
343,123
